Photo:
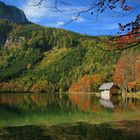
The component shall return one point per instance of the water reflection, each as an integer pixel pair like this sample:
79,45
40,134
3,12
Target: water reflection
106,103
112,102
32,108
87,102
63,102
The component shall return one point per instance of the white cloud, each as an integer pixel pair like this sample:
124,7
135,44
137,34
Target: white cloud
60,23
36,13
80,19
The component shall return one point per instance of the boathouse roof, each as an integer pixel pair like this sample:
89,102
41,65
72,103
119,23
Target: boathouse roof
106,86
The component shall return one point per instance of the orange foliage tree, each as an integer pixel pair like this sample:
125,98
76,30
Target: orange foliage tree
119,74
127,72
87,83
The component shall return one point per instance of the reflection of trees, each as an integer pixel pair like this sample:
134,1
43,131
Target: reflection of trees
62,103
86,102
53,103
128,104
132,103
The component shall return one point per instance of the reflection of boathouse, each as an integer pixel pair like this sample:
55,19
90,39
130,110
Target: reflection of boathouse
106,103
108,89
112,103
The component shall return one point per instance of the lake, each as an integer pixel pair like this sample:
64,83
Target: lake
68,116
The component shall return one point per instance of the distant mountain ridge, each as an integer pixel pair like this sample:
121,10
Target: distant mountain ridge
12,14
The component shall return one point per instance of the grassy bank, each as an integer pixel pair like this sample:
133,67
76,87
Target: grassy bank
74,131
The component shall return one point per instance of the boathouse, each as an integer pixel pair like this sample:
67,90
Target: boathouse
108,89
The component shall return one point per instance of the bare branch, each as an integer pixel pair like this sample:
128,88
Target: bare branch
38,3
80,12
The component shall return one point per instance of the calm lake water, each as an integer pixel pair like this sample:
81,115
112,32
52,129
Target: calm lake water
68,116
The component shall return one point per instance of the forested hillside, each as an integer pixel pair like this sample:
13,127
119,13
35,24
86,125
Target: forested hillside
41,59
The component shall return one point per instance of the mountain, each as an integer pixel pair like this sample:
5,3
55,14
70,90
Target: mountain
41,59
12,14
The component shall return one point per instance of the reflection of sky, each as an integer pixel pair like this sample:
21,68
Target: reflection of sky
105,23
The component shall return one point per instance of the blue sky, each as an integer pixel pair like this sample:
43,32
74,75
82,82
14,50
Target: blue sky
103,24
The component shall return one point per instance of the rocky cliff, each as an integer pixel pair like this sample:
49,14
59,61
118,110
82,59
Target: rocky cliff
12,14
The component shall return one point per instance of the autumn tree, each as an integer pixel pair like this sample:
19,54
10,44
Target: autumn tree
127,71
88,83
120,76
